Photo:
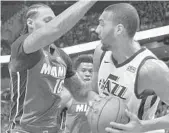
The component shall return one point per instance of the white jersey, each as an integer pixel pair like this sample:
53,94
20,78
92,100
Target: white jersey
121,80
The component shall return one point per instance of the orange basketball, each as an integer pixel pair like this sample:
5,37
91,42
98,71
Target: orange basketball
106,110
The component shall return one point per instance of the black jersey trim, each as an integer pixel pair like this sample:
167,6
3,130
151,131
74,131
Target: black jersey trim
144,95
139,96
22,92
102,56
19,88
128,60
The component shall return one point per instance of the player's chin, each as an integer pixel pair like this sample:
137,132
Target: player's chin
104,48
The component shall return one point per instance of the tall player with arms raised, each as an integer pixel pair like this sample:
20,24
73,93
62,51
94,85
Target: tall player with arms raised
124,69
38,69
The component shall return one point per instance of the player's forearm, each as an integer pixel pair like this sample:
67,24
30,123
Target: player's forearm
57,27
67,19
65,97
78,88
156,124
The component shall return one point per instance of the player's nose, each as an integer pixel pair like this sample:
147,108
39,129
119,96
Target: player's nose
87,73
98,30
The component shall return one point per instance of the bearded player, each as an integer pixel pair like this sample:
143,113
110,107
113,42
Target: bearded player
124,69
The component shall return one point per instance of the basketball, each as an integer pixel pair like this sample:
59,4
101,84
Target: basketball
106,110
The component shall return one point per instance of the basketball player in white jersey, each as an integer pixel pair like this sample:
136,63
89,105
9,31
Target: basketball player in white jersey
124,69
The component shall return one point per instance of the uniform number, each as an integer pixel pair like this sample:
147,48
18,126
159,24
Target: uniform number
58,86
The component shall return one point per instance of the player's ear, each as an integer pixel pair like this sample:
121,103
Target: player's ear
30,23
119,29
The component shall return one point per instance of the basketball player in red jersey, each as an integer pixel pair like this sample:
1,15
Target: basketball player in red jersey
38,69
128,71
76,120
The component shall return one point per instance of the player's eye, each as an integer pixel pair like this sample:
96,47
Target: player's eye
83,70
102,24
90,71
48,19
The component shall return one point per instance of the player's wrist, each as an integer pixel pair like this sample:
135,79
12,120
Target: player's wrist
145,125
142,126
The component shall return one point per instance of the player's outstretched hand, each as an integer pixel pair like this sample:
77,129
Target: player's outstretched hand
134,125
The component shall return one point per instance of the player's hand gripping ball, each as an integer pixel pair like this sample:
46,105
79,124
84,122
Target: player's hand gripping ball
104,111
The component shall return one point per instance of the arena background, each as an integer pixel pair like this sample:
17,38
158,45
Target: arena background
154,31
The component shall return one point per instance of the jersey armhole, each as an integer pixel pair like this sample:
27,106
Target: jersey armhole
139,96
70,70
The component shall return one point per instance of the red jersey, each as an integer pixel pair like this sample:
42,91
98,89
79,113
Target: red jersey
35,80
76,120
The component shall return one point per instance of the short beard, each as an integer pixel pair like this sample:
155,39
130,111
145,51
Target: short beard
104,48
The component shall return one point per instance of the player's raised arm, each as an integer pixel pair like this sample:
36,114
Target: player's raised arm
57,27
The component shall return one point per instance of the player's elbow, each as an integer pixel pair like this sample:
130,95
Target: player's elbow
39,39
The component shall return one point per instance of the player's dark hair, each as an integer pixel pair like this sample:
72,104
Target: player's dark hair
127,15
82,59
31,12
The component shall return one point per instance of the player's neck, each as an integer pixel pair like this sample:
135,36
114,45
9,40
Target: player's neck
124,52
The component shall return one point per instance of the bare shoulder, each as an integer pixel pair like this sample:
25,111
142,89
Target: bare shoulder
154,67
154,76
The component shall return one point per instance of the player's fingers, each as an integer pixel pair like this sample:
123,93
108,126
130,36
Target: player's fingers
130,115
105,94
111,130
118,126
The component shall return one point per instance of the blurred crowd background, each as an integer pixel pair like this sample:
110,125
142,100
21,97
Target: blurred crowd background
152,14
